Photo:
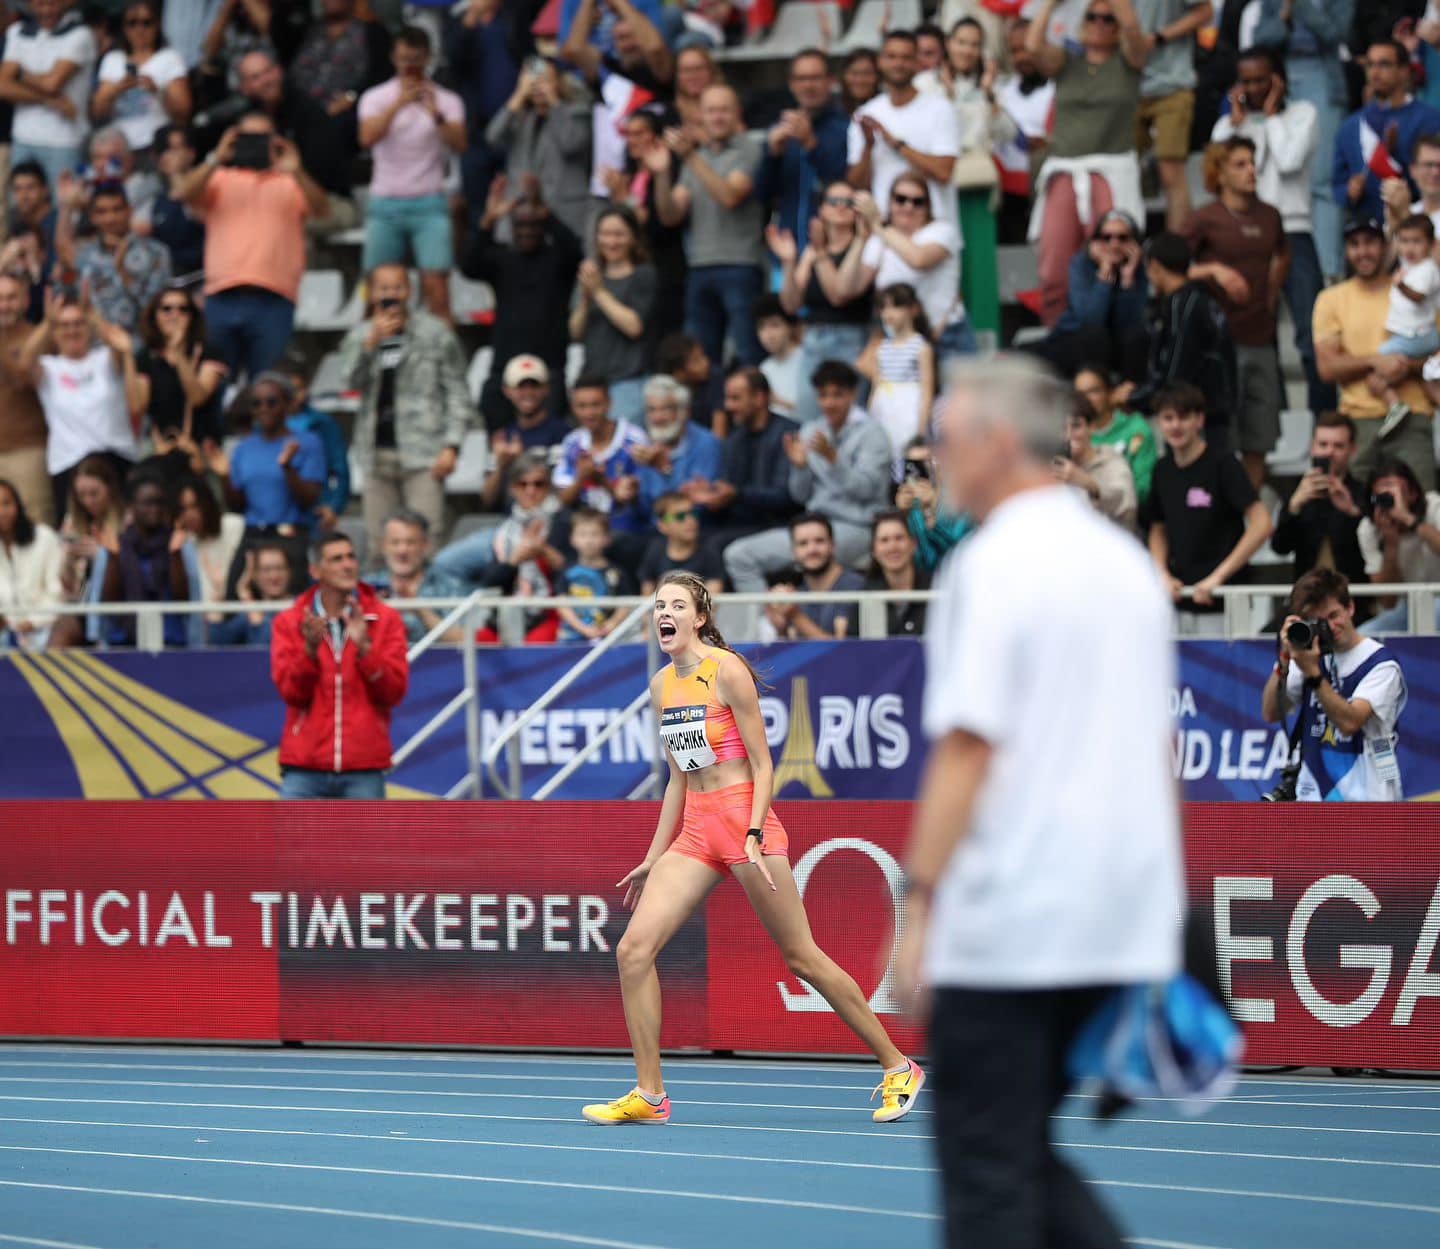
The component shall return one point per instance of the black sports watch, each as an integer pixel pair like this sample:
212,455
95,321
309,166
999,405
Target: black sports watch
758,834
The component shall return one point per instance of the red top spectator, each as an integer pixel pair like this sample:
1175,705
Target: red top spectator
338,658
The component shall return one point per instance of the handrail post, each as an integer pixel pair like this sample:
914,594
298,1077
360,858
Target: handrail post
472,708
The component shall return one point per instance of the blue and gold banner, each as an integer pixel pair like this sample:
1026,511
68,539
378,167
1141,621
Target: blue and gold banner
843,720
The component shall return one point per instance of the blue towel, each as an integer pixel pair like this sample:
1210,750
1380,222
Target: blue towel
1160,1040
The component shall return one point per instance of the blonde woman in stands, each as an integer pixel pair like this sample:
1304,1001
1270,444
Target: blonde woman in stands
716,820
94,517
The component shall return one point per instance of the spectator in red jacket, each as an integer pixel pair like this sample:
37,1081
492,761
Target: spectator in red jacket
339,659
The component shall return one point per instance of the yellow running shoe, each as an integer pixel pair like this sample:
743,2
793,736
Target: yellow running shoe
632,1108
899,1090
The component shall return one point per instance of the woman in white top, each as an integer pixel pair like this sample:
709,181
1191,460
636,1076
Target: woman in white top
30,559
84,371
922,253
142,84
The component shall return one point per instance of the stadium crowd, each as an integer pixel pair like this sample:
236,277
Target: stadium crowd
723,274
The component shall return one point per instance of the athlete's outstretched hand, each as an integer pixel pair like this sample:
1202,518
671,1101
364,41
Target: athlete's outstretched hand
756,855
634,882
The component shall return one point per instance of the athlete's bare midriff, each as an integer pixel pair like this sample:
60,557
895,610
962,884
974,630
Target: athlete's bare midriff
720,776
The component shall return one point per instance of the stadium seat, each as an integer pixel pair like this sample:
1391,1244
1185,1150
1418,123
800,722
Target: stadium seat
1291,455
328,391
1028,334
574,363
799,24
322,292
471,303
469,474
873,18
478,371
1018,271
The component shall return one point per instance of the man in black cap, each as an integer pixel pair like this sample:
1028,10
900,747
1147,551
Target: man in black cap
1349,330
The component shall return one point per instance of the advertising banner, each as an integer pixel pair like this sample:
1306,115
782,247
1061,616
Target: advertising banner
843,720
497,924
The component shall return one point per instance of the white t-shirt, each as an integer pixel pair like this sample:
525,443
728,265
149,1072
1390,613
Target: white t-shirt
785,380
938,288
137,112
85,408
928,125
1406,316
1355,777
38,51
1418,562
1070,874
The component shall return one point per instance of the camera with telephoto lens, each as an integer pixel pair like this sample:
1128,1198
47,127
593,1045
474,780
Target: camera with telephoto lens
1286,790
1302,634
1384,501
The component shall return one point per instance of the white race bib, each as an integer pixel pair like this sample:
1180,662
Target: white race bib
682,730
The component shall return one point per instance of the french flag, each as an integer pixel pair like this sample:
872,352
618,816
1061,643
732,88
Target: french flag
1379,160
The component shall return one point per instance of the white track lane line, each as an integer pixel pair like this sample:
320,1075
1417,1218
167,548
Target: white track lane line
1261,1194
40,1243
596,1242
788,1203
368,1092
1167,1244
709,1127
676,1153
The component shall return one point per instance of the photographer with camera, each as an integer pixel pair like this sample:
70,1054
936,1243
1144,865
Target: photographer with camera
1349,691
1399,539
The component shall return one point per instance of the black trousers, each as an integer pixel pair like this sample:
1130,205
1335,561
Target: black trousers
998,1058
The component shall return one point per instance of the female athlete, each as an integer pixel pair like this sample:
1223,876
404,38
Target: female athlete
707,704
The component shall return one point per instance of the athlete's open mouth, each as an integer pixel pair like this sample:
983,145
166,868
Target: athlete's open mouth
666,630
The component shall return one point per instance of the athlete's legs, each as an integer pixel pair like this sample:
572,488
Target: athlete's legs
782,911
676,886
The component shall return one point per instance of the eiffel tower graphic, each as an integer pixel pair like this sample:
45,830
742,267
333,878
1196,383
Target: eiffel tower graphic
797,759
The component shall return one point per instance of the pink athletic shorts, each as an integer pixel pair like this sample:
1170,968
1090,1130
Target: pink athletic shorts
715,825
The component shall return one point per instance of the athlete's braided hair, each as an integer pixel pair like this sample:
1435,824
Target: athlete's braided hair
705,606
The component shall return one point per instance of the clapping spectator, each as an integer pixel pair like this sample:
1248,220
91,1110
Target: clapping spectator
715,196
532,276
903,129
527,426
753,489
142,84
414,406
839,467
255,215
180,383
679,450
806,150
544,130
268,577
46,74
335,498
1104,317
217,536
1091,165
597,466
1284,131
152,562
121,270
1128,432
1392,119
411,125
591,575
900,363
1238,245
1400,540
174,222
859,80
613,314
408,573
1204,521
1097,471
1167,94
1321,519
893,567
637,53
781,335
22,420
83,369
31,556
831,282
812,546
923,252
678,546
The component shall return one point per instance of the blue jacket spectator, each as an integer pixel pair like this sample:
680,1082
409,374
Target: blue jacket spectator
1392,119
680,450
1100,303
336,495
805,149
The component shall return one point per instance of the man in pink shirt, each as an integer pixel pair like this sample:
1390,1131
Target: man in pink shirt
411,125
256,197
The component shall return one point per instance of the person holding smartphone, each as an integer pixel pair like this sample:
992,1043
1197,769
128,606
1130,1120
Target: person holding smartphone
1320,522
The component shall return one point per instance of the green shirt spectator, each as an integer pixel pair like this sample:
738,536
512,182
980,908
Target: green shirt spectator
1128,432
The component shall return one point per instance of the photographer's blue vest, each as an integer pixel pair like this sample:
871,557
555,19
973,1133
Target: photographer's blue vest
1326,752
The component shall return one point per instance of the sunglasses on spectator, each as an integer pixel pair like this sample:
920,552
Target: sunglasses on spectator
689,514
1102,19
1115,238
909,201
535,483
267,401
840,201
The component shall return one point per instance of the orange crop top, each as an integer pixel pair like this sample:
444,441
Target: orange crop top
695,727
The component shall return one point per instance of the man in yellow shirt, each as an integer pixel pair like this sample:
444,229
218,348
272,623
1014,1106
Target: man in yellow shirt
1349,330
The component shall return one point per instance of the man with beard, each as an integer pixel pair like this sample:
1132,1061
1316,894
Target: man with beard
812,542
679,451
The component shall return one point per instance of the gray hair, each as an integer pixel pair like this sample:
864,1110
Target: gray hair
408,516
1016,392
528,462
665,389
109,134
